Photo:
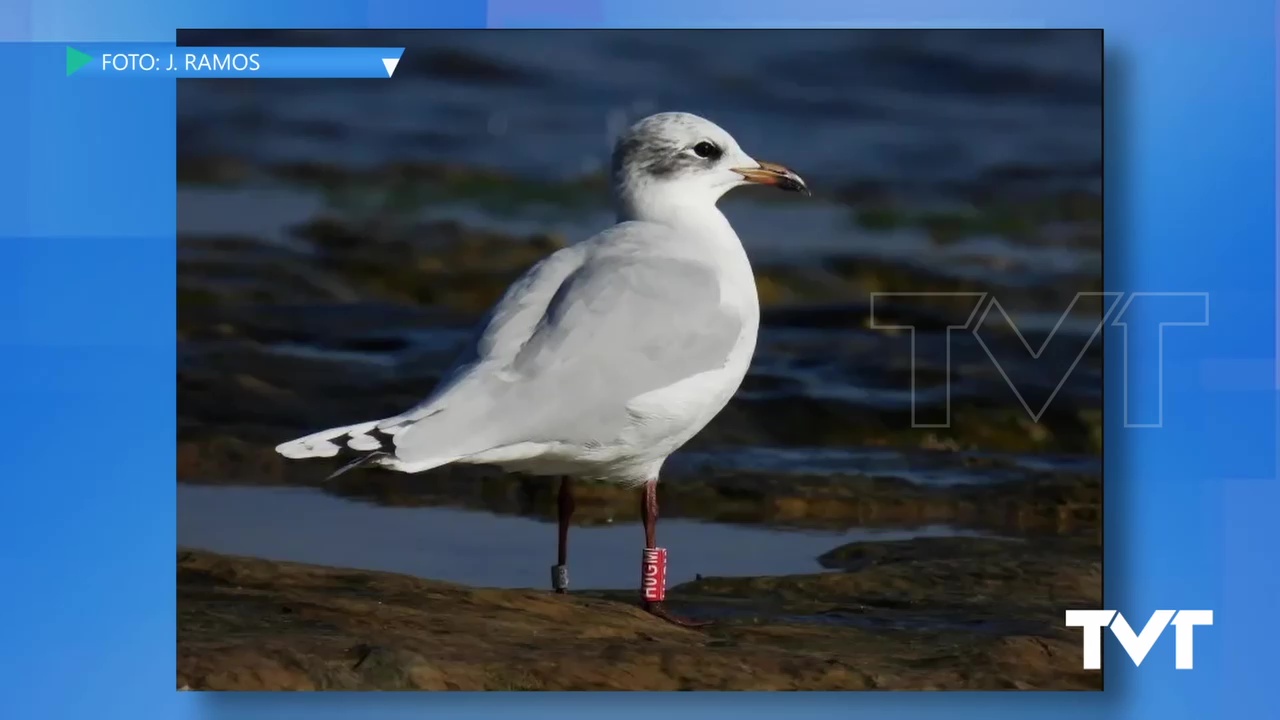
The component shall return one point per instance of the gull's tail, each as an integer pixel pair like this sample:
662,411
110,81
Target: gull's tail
322,444
374,442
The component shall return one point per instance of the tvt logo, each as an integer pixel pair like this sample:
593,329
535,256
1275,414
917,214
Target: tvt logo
1139,644
1141,317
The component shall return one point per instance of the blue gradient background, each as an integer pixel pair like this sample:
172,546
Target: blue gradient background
87,218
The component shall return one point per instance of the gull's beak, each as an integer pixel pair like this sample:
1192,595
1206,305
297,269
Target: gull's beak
776,175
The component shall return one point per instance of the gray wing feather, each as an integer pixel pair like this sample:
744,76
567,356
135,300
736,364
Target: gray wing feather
502,332
620,324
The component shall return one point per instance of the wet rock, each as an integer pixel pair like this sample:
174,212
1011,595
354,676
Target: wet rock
438,264
248,624
958,294
368,326
975,423
212,169
1017,202
363,251
1011,588
406,188
436,267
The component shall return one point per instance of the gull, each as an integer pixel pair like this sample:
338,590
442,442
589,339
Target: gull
608,355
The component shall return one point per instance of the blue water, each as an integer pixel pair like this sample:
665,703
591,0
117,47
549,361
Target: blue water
925,107
478,548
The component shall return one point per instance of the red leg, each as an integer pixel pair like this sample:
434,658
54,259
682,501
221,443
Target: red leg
560,573
649,514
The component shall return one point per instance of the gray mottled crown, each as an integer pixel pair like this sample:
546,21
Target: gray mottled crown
653,146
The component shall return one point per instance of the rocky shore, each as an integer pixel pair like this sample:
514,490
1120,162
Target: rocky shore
944,614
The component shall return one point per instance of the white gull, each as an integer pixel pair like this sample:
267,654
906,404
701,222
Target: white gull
608,355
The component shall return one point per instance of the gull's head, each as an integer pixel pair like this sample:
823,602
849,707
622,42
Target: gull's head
678,159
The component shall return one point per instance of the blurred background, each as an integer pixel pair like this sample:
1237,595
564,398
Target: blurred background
338,239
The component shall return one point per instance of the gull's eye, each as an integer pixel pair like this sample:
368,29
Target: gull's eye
705,149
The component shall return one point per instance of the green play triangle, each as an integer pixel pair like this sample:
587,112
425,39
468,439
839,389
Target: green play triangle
76,60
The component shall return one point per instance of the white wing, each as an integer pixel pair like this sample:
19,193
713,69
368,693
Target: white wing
571,343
